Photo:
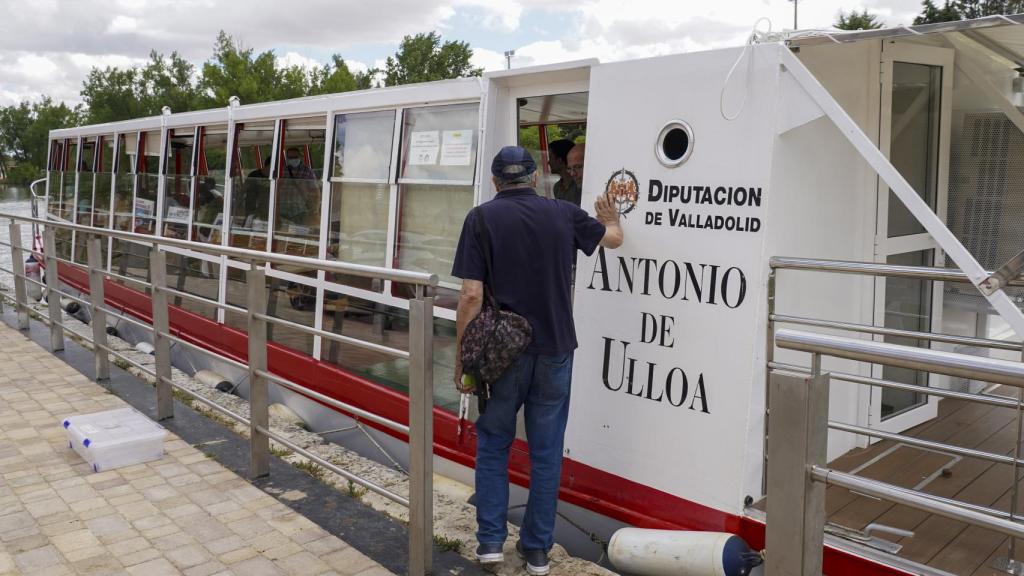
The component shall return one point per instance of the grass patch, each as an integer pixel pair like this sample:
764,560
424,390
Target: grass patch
280,452
447,544
313,469
355,490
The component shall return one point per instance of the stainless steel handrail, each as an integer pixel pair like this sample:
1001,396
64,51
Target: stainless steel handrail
875,269
920,443
914,499
990,399
882,331
403,276
936,361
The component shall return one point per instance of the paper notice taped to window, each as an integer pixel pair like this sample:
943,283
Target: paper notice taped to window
423,148
177,214
457,148
144,207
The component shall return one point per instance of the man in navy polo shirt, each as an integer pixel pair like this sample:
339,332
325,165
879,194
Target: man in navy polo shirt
533,245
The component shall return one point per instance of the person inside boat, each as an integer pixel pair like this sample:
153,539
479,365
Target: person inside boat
525,260
565,188
256,200
574,165
298,196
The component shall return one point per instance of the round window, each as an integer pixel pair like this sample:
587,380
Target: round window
675,143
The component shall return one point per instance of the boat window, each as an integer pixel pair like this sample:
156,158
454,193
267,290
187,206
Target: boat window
362,146
56,172
86,186
104,181
300,169
83,206
387,325
250,185
67,201
147,182
128,259
361,193
178,182
286,299
438,155
193,276
914,141
208,215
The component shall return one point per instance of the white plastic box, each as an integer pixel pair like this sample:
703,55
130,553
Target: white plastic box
115,438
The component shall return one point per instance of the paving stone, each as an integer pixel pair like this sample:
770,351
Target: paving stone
155,567
187,556
75,540
302,563
258,566
37,559
205,569
348,560
140,556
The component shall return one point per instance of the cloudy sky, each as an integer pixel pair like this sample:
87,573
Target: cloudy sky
49,46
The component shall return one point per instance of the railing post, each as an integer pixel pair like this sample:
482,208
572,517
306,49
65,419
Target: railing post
99,317
421,434
259,415
20,289
53,290
1009,564
161,327
796,503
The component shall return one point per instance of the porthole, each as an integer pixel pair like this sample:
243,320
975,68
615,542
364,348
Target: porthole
675,143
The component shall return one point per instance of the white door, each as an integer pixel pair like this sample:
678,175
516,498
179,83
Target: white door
916,104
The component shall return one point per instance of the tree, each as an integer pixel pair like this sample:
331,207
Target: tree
238,71
423,58
24,134
115,94
857,21
931,14
970,9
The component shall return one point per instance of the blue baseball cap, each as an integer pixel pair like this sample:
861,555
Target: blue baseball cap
512,162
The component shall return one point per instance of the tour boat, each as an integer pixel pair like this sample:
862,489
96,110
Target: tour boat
900,146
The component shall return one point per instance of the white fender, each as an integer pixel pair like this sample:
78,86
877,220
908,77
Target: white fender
646,552
213,380
32,271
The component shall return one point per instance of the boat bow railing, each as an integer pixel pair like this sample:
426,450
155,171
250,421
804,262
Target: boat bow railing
797,421
419,354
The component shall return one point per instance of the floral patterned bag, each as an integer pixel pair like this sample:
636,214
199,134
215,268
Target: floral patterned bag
495,338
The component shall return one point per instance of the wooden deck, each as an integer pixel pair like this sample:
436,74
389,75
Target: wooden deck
939,543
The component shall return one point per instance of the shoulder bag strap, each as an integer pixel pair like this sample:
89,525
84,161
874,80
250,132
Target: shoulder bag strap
484,237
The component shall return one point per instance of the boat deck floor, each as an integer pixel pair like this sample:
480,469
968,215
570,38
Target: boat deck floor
943,544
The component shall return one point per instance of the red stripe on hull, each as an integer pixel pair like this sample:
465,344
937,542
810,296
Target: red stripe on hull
588,487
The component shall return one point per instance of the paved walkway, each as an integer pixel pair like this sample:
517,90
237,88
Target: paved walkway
183,514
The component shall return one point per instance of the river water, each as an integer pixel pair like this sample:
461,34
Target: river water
14,199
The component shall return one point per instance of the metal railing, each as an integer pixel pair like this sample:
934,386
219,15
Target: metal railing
257,319
797,421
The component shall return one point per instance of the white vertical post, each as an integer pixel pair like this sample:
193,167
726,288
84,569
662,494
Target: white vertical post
794,530
161,327
52,290
259,415
421,434
20,289
96,299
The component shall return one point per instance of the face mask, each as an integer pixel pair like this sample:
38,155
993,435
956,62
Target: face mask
294,162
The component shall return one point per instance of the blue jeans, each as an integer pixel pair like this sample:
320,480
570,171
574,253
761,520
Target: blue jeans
541,383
